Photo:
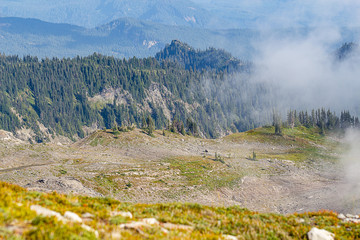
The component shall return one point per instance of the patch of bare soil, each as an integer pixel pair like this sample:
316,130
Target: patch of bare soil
67,185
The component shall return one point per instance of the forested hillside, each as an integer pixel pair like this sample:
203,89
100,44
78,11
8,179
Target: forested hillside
211,59
64,95
347,50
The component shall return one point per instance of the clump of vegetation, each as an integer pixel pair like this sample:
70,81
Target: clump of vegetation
253,156
117,130
219,158
148,125
277,122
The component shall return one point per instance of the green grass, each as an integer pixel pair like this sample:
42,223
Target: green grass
105,184
205,172
208,222
303,143
298,136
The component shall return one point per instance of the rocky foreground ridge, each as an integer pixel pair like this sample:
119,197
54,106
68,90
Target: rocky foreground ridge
33,215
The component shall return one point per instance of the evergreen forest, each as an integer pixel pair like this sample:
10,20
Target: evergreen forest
205,93
62,95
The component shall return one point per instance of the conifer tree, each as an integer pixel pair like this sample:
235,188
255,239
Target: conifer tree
277,122
151,125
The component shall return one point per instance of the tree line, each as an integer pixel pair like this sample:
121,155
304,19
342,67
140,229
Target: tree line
325,120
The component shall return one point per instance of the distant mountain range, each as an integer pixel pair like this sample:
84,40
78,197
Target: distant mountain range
210,14
92,13
125,37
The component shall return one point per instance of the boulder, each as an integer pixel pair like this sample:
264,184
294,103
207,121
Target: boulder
320,234
47,212
73,217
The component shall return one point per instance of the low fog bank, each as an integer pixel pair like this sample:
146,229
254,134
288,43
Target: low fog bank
306,73
349,189
301,63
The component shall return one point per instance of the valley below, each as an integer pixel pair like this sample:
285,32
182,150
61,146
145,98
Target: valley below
299,171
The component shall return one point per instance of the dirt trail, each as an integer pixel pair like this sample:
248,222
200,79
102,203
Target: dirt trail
24,167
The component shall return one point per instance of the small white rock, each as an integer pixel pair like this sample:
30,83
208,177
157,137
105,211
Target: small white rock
341,216
300,220
229,237
133,225
123,214
350,216
165,231
150,221
87,215
354,220
73,217
320,234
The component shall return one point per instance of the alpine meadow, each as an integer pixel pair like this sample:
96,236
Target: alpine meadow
187,119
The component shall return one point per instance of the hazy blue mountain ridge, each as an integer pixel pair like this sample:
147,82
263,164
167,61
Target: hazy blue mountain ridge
93,13
125,37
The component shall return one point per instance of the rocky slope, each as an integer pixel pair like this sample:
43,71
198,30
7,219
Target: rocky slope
296,172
